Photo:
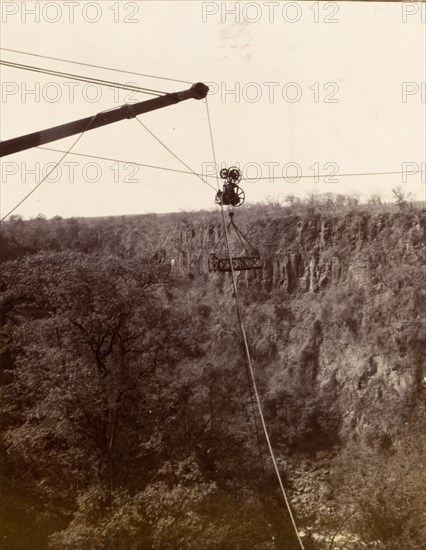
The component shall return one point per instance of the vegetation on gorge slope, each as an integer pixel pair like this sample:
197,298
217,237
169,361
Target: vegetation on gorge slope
127,418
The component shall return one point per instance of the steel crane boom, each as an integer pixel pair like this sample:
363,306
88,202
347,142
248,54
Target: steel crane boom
15,145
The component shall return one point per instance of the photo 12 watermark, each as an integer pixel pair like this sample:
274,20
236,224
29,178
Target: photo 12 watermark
412,170
69,91
413,12
413,92
70,171
271,171
269,12
288,92
72,91
70,12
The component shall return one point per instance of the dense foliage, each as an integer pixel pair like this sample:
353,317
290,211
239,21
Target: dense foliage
127,419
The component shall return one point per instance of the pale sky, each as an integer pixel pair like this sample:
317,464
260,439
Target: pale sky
346,96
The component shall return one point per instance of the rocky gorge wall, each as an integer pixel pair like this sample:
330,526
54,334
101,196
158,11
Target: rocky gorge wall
335,314
353,288
307,254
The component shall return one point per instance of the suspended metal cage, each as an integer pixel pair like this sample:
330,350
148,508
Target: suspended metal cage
243,254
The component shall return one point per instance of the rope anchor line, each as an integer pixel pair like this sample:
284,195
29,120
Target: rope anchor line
248,359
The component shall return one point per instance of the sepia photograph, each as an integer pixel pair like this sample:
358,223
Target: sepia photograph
212,275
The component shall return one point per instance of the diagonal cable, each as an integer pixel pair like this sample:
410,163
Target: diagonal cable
96,66
212,143
82,78
252,376
215,176
174,154
50,172
121,161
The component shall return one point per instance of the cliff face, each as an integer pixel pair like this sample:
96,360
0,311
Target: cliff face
309,254
335,314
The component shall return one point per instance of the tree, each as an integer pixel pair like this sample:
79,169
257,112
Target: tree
381,488
402,198
90,338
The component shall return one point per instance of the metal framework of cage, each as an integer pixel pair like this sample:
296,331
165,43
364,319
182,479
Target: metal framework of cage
219,260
